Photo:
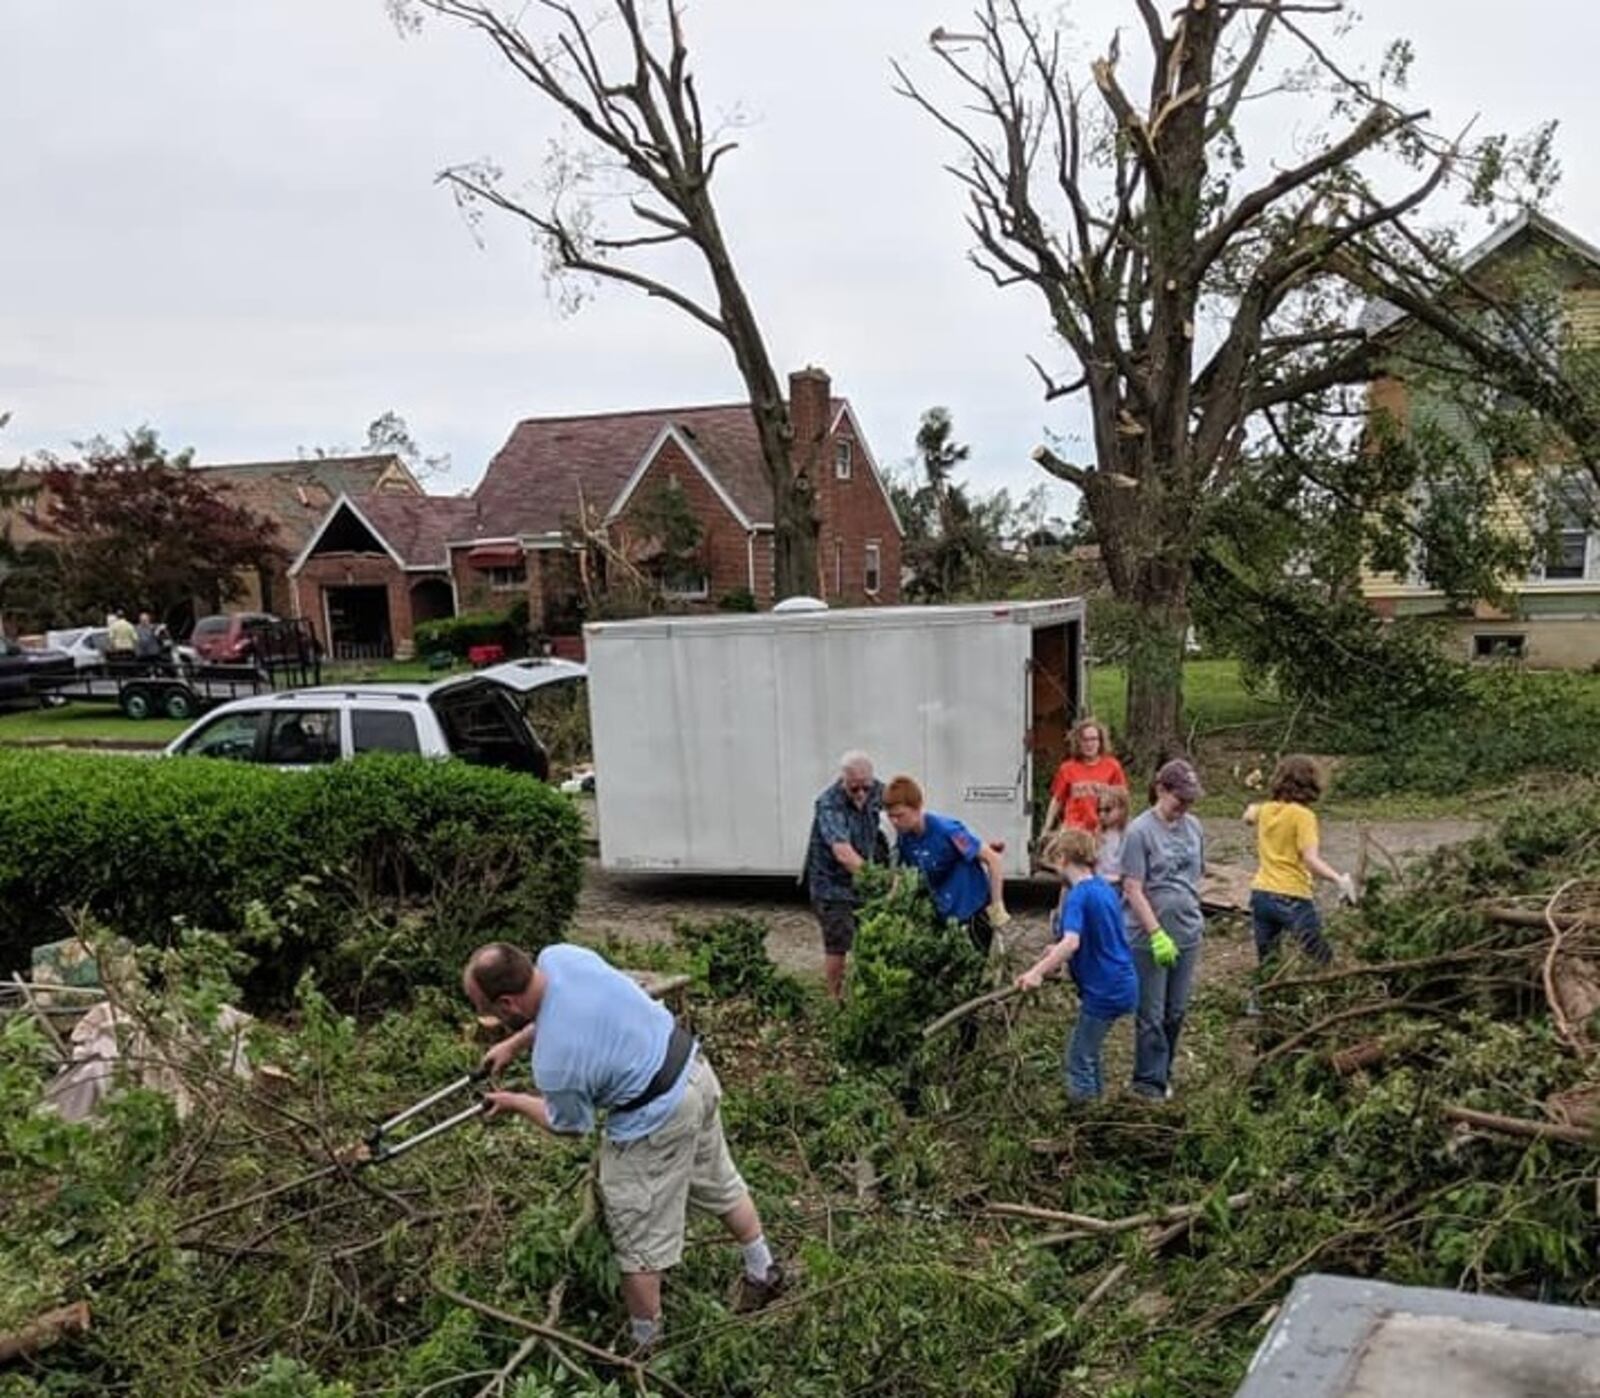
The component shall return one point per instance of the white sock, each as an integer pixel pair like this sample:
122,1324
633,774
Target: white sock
757,1259
644,1328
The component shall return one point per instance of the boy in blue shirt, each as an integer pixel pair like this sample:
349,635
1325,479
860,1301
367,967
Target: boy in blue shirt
966,877
1094,946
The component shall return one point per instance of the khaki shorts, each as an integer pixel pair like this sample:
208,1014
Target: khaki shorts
647,1185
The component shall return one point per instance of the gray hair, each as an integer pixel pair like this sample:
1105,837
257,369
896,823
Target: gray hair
854,761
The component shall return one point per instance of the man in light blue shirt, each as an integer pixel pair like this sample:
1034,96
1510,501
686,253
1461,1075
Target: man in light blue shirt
600,1044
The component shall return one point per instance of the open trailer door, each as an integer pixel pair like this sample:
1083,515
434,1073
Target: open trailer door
1056,698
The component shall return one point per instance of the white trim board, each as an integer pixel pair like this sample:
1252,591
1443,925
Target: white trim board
860,439
343,502
670,432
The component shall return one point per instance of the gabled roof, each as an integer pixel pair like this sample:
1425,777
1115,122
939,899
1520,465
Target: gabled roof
534,483
412,529
1528,226
297,494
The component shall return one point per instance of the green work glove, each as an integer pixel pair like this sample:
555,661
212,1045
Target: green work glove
1163,950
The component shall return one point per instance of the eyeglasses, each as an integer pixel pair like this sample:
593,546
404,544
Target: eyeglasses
858,788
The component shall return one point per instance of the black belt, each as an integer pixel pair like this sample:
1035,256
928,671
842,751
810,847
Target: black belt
680,1047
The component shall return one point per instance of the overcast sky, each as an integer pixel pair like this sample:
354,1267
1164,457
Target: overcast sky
220,219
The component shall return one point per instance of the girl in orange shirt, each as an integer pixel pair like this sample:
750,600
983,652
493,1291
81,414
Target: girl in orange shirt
1089,770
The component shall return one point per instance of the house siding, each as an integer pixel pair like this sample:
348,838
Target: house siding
324,571
1558,621
853,514
724,540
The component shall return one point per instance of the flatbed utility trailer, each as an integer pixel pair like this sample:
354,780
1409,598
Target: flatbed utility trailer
288,656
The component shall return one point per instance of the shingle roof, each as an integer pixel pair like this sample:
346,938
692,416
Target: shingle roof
417,527
297,494
534,482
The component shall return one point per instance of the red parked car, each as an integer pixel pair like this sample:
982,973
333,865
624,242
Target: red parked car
230,639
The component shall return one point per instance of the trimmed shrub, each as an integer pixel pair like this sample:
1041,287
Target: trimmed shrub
381,872
458,634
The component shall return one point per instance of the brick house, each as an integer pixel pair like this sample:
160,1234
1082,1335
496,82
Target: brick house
374,567
602,467
1550,618
296,496
378,561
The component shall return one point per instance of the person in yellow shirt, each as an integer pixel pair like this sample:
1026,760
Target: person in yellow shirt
1288,854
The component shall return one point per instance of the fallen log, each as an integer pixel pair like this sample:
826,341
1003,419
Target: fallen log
961,1011
1367,1054
47,1330
1520,1126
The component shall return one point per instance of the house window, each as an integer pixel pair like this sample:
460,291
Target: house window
686,586
874,569
1571,506
843,458
1499,645
512,579
1569,554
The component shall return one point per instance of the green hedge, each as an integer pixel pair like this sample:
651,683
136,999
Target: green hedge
381,872
458,634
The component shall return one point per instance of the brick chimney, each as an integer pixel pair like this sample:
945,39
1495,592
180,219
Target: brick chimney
810,396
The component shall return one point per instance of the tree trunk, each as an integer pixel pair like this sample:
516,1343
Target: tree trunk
794,541
1155,678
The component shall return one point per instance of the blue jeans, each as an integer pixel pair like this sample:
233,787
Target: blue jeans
1082,1065
1163,1000
1273,914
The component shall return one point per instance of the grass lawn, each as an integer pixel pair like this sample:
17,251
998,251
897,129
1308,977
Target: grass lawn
1237,734
85,723
1213,696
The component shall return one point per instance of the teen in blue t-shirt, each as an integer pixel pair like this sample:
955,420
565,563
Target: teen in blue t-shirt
965,876
1094,947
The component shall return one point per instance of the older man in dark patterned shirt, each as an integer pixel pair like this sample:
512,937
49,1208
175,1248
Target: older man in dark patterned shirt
845,835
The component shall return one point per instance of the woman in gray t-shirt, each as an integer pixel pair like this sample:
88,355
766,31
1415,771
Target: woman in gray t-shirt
1163,860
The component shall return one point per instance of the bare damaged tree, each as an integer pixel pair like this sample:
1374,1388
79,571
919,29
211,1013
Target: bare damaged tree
1194,302
642,136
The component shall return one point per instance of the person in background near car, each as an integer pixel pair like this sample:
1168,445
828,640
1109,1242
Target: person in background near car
966,877
146,639
1090,939
122,641
1089,771
1288,853
845,837
599,1043
1113,831
1163,861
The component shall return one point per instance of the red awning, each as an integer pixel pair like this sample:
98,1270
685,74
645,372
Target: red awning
495,556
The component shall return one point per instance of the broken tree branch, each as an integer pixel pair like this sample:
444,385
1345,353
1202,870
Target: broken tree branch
1176,1213
1520,1126
961,1011
560,1337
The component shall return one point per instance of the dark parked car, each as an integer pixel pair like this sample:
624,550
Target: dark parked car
230,639
21,670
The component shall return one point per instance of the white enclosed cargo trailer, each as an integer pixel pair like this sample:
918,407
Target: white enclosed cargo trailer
713,735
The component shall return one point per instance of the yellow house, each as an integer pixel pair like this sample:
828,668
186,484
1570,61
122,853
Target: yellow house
1549,618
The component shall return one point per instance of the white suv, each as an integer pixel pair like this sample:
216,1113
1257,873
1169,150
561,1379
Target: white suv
473,717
